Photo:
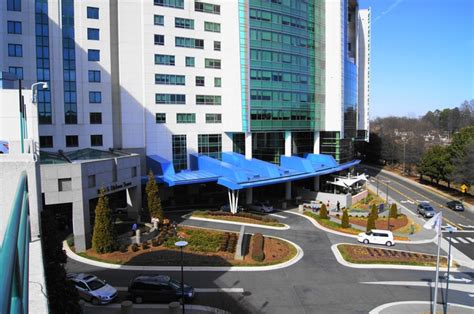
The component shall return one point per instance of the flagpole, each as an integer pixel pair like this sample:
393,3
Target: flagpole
438,232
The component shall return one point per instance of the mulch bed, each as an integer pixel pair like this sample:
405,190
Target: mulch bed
365,255
382,223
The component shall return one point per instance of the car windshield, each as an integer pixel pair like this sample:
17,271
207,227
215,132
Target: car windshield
267,204
429,208
368,233
96,284
175,283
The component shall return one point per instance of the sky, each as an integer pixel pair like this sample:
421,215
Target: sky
422,55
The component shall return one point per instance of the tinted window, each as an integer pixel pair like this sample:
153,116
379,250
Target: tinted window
96,284
81,285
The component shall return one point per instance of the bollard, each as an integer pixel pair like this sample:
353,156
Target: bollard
283,205
174,307
155,224
82,305
137,236
126,307
301,208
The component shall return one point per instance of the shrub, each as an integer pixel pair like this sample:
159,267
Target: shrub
135,247
371,222
155,242
231,243
393,211
223,242
104,235
145,245
152,197
257,248
323,212
345,219
374,212
124,248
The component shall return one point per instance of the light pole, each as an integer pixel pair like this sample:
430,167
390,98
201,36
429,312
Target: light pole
450,229
387,182
404,144
181,245
34,91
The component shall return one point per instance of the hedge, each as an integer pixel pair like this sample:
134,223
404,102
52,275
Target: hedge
257,248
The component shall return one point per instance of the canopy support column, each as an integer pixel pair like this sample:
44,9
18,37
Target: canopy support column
233,200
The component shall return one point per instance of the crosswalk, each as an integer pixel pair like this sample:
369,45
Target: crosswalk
463,240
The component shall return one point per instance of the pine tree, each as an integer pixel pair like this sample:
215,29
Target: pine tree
371,222
345,219
152,197
374,212
393,211
323,212
104,236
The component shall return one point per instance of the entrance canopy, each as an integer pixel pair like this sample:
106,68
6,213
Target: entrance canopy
236,172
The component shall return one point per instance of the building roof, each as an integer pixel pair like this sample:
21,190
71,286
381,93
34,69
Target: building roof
78,156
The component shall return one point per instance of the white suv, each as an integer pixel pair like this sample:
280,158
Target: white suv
376,237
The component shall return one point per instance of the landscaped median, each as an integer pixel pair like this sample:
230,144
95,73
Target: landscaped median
242,218
206,248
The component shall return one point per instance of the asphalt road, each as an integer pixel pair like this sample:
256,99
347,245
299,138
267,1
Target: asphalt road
316,284
410,194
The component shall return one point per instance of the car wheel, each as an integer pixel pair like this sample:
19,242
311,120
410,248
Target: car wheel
388,243
95,301
366,241
138,300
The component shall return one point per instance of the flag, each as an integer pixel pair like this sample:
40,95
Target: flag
434,223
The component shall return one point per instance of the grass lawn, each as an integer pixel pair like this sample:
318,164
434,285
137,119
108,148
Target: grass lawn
239,217
365,204
359,254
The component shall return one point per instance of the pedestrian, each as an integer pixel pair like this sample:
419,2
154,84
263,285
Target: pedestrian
327,206
134,228
338,206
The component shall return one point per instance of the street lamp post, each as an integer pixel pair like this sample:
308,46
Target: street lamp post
34,91
387,182
181,245
450,229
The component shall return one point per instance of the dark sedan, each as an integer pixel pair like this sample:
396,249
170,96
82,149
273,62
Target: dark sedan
455,205
158,288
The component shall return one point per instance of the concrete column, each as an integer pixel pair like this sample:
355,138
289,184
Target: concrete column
134,201
316,184
249,196
287,190
248,145
288,143
81,225
316,143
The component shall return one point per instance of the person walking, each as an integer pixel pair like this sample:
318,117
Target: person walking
338,206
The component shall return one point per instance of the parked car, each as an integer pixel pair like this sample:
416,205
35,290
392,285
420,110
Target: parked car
455,205
264,207
93,289
226,208
376,236
425,210
4,148
120,210
158,288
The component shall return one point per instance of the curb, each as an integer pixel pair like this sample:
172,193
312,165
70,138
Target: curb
201,308
286,227
385,306
299,255
343,262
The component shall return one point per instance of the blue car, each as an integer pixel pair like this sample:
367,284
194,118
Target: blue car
4,148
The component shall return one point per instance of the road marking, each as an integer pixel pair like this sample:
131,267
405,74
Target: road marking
202,290
470,239
454,286
407,201
462,240
466,226
453,279
454,240
279,216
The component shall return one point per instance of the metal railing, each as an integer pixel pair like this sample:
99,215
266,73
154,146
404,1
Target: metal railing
14,254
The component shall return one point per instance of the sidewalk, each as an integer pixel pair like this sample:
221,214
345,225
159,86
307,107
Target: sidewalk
420,307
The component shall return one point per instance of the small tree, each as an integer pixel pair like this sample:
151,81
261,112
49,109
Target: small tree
323,212
374,212
104,236
393,211
371,222
345,219
152,197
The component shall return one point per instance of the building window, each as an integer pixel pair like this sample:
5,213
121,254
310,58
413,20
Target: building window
133,172
207,7
159,20
190,62
18,71
213,118
212,27
14,5
15,50
217,82
212,63
46,142
164,59
91,181
189,42
174,99
199,80
93,13
64,185
349,47
180,158
93,33
95,117
72,141
183,23
69,62
95,97
14,27
159,40
96,140
185,118
178,4
94,76
160,117
208,100
169,79
217,45
93,55
41,23
210,145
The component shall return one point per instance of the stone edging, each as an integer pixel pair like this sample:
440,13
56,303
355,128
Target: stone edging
299,255
190,217
343,262
385,306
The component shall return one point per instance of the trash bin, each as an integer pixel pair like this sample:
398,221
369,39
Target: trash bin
301,208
